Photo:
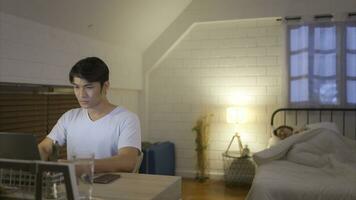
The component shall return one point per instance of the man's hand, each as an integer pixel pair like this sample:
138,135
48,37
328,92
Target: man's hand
45,148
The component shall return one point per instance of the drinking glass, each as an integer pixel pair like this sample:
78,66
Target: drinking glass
84,169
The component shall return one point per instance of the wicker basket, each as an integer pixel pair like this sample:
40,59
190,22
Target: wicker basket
238,170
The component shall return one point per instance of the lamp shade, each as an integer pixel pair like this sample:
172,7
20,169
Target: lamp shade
235,115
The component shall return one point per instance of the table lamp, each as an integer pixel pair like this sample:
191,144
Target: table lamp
235,115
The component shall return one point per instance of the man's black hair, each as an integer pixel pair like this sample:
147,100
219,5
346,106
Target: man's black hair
92,69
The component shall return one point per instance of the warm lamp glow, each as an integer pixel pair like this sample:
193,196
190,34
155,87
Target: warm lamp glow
239,99
235,115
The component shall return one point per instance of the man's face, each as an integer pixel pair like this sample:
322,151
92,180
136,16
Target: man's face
89,94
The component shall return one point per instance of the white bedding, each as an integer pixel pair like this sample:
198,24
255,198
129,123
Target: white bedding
317,164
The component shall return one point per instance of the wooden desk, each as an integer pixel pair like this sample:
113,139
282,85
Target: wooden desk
140,187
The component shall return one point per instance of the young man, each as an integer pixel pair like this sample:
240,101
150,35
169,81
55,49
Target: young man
109,132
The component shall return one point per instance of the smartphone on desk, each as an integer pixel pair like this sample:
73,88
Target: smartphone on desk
106,178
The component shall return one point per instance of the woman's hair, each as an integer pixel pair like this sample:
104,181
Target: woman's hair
282,133
92,69
282,127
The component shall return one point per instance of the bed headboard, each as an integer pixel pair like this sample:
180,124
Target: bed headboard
345,118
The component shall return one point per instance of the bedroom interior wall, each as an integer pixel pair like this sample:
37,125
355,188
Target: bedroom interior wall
39,54
214,66
200,11
219,10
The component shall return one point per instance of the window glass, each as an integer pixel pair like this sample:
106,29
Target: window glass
325,64
299,38
351,37
299,90
351,94
326,90
325,38
299,64
351,65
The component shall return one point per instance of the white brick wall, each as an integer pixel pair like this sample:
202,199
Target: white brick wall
125,98
215,66
34,53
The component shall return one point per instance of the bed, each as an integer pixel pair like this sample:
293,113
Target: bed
318,163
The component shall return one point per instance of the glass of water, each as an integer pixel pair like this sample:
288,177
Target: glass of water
84,169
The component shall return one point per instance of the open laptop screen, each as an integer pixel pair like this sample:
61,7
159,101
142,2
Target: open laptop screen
18,146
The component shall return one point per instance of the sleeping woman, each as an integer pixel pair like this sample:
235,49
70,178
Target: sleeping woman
283,131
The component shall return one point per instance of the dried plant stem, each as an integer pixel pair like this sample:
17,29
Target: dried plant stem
202,137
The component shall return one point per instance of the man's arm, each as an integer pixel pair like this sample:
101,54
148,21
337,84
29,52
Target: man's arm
45,148
124,161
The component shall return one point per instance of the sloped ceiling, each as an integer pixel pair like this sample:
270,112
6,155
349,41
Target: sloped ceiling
132,23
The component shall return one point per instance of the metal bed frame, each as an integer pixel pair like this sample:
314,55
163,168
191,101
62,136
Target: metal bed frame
331,113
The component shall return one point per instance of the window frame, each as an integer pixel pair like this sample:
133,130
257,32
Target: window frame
340,76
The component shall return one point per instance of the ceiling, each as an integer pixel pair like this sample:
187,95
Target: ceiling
130,23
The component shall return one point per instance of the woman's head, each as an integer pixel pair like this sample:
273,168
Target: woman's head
283,132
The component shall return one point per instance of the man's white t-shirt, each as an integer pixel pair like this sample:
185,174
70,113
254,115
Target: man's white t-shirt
103,137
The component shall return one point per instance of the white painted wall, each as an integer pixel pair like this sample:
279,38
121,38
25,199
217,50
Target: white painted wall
126,98
131,23
214,66
220,10
34,53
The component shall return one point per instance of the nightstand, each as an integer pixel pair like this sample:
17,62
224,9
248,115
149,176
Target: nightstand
238,170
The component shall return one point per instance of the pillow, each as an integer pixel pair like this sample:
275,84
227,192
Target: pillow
273,140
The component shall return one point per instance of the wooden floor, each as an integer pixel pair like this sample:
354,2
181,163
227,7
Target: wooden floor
211,190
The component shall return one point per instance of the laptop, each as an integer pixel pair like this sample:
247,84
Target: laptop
18,146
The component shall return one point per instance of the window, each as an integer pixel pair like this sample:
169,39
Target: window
351,63
35,109
322,64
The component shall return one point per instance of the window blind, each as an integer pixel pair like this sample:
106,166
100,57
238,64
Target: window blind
33,109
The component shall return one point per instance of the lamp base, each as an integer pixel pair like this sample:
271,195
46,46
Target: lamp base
237,136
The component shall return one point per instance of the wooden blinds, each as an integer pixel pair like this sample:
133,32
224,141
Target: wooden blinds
33,109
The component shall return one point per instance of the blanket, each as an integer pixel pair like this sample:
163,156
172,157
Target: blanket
321,146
